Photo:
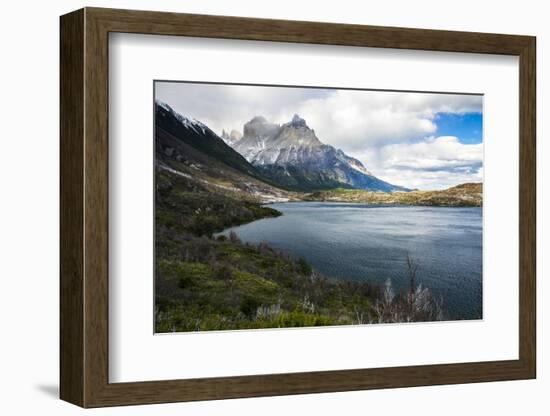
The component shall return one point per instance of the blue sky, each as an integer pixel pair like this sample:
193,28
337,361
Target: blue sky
468,127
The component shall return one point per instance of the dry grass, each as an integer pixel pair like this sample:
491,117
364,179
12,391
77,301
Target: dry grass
465,195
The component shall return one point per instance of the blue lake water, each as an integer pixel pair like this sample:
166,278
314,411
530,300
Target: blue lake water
366,242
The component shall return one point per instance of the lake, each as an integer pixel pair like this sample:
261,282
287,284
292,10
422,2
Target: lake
367,242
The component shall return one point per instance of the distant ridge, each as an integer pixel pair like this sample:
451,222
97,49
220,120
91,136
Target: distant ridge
464,195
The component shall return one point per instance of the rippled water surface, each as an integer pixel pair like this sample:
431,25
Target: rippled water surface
362,242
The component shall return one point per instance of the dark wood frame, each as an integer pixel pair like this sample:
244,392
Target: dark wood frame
84,208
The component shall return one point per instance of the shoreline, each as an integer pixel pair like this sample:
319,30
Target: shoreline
465,195
371,204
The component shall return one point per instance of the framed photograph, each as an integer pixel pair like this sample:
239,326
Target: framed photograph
256,207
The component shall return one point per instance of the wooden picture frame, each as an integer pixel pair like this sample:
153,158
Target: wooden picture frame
84,207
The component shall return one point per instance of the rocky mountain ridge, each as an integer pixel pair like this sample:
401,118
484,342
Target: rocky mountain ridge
292,156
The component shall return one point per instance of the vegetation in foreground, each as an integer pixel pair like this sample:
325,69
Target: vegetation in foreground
206,283
465,195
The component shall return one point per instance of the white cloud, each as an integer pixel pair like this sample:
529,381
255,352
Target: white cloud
229,107
434,163
349,119
357,120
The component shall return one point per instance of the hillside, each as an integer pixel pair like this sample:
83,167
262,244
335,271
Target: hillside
465,195
205,283
198,136
189,149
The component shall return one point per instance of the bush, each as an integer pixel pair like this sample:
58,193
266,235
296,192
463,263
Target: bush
234,238
224,273
304,267
301,319
249,306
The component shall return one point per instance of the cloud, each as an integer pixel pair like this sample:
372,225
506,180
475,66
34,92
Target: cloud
348,119
356,120
434,163
229,107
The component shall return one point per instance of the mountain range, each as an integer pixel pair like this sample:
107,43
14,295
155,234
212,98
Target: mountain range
289,156
274,156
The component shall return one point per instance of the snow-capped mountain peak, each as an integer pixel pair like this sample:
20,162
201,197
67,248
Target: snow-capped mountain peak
297,121
292,154
189,123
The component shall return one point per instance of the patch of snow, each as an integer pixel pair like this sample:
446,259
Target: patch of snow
271,199
189,123
217,185
164,105
186,175
174,171
359,168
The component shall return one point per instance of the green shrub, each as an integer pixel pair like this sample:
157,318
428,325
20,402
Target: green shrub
249,305
301,319
304,267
